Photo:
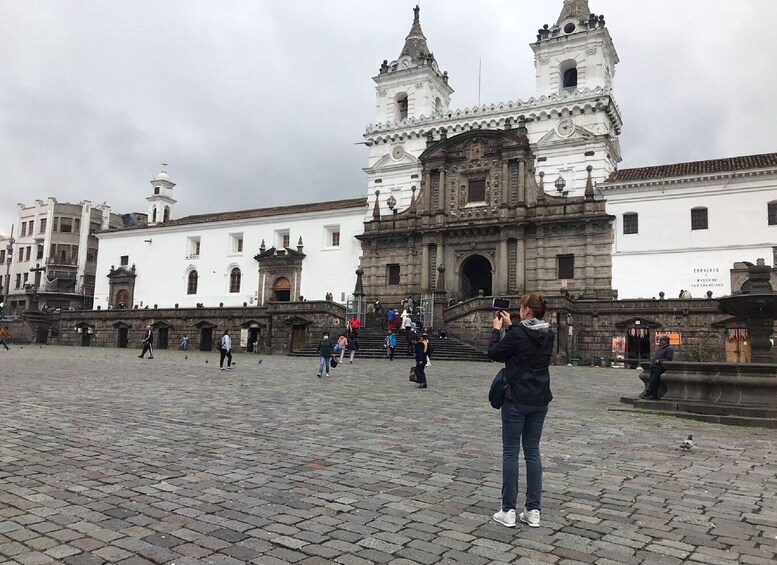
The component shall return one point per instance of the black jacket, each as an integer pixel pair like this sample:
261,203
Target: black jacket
149,337
528,385
664,353
419,353
325,348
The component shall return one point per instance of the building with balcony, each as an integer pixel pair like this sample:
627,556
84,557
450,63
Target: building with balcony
53,258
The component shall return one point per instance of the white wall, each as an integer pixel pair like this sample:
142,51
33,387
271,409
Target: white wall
667,255
162,266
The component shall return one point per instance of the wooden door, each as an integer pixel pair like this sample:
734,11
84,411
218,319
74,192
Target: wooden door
163,336
123,338
298,338
206,339
738,350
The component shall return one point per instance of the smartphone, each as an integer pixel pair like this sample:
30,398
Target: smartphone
501,304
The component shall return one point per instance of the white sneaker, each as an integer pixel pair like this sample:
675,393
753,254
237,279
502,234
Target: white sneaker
505,518
530,517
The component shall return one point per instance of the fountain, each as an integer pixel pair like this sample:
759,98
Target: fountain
729,393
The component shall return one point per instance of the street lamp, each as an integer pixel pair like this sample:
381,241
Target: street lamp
560,185
392,202
8,257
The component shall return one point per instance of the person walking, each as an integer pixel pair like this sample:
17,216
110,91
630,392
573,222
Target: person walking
420,361
353,347
526,350
663,353
324,354
226,351
391,343
342,344
391,316
4,336
148,343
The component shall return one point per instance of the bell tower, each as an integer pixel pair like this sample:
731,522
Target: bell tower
161,201
577,52
412,85
575,61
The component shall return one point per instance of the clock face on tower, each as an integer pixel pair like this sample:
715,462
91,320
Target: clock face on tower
565,128
397,152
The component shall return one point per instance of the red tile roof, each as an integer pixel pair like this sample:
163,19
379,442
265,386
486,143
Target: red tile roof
728,165
262,213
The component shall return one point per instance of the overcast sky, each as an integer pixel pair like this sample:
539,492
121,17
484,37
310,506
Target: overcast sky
258,103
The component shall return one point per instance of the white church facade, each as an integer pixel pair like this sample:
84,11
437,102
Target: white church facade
649,235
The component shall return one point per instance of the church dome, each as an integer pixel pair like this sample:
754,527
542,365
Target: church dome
162,175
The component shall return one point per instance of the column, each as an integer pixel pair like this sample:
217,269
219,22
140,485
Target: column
520,265
502,268
425,269
521,181
441,196
427,192
440,261
505,183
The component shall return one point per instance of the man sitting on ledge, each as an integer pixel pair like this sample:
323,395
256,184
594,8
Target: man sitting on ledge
663,353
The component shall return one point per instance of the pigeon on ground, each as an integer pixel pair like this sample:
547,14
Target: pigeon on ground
687,445
206,361
185,356
260,362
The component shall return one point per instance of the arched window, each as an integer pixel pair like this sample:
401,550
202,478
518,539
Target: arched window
191,283
438,105
234,280
153,216
401,106
167,214
568,71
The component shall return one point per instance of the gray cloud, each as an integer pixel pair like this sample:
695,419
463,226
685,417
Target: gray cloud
260,103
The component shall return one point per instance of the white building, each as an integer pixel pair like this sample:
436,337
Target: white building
55,254
230,258
683,226
573,120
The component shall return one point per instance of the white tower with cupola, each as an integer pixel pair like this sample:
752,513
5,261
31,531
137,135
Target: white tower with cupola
575,63
409,89
161,201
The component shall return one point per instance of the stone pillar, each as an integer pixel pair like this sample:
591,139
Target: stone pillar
521,181
427,201
440,263
441,195
502,268
520,265
505,183
425,269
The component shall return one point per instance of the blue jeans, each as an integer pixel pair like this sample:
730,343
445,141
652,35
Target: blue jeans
323,362
522,425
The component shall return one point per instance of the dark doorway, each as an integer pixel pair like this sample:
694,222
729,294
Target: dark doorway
299,338
86,337
638,346
254,335
475,276
206,339
123,339
162,338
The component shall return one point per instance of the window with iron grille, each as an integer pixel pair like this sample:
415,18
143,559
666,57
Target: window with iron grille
566,266
392,274
699,219
772,213
630,223
477,190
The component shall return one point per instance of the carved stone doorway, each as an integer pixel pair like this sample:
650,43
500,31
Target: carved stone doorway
475,276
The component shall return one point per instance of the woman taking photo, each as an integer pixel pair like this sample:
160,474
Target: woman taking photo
526,349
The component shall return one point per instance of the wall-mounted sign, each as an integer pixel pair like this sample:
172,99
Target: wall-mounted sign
675,338
706,278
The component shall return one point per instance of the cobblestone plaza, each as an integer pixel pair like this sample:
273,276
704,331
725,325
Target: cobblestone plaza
106,458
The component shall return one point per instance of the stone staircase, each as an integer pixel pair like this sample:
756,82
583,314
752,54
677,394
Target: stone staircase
371,339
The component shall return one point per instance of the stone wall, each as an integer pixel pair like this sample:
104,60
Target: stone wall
276,323
595,323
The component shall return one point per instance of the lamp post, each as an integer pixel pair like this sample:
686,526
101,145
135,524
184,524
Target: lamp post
8,258
560,185
392,203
